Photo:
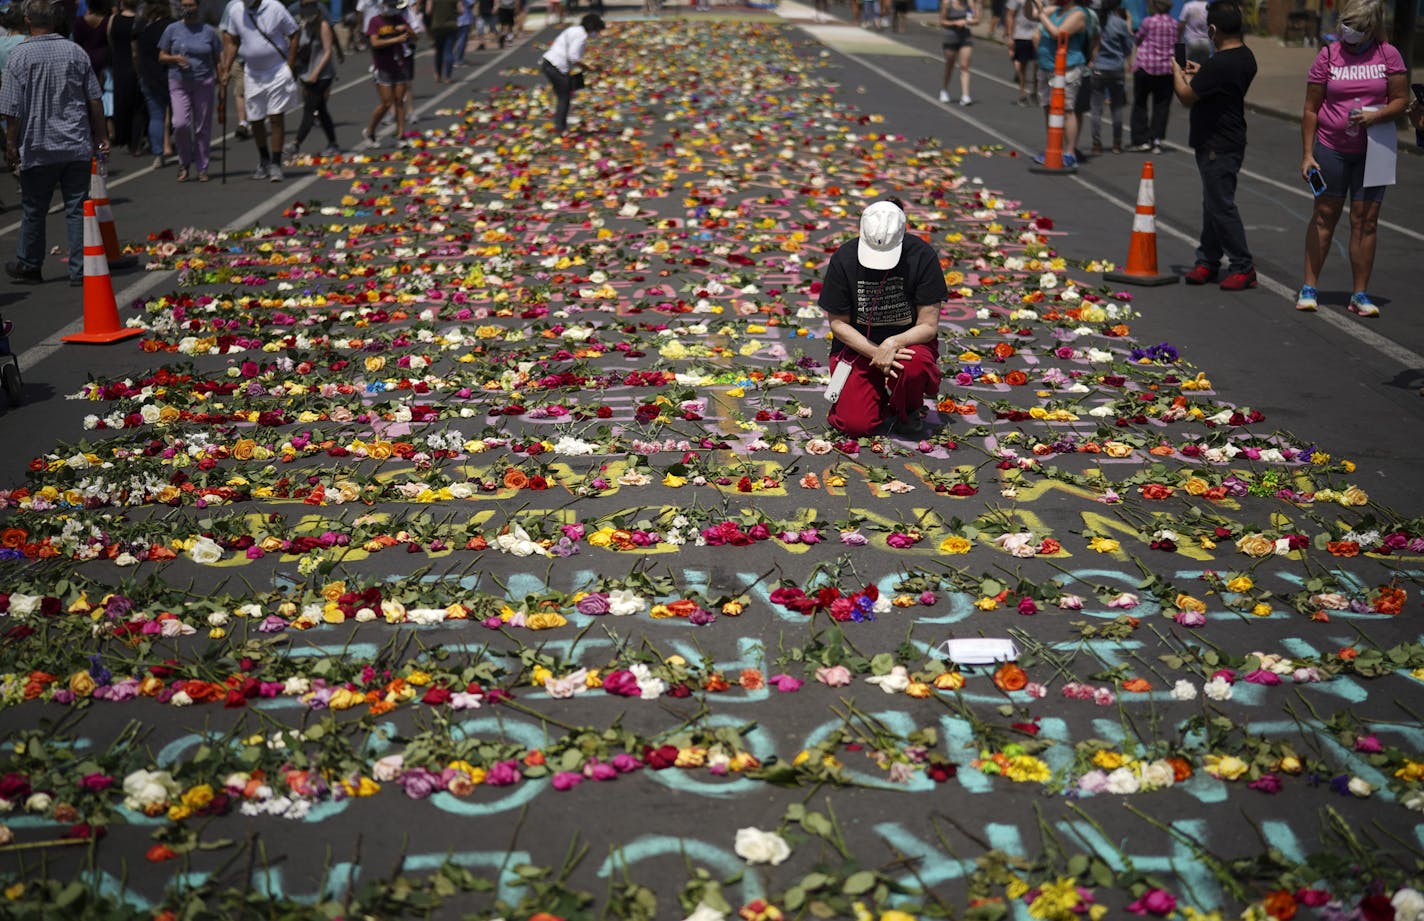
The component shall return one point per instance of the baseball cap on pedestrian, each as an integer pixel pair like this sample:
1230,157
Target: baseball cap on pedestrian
882,232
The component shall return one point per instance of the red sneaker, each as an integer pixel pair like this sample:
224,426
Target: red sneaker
1239,281
1201,274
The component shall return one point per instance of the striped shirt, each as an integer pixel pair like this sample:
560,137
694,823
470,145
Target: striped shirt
47,86
1156,38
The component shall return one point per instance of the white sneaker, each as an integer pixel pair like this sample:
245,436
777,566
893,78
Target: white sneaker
368,140
966,101
944,95
274,173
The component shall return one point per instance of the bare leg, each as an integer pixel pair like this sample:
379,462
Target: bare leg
1364,222
1319,231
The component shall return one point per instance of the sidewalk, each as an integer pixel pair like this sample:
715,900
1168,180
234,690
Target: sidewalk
1279,87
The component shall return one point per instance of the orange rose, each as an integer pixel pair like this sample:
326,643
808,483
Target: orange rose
1016,377
1157,491
243,448
1003,350
379,450
1137,685
751,679
515,478
1181,769
1343,547
1009,677
14,538
1391,600
715,682
682,608
1280,904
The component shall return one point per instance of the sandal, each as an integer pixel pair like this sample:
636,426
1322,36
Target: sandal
183,174
202,176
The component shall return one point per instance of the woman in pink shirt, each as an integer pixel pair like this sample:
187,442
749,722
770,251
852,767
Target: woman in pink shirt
1357,82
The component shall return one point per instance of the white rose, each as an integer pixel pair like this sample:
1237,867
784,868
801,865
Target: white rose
149,413
24,605
218,619
1360,787
1123,781
1184,690
365,616
1218,689
181,699
205,551
148,788
756,846
295,687
893,683
1158,774
388,768
1414,799
39,802
622,603
1408,904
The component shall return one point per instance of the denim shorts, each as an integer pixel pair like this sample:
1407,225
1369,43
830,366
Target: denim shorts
1344,174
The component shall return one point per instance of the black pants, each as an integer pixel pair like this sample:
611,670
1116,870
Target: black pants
563,94
313,108
1159,88
130,111
1222,234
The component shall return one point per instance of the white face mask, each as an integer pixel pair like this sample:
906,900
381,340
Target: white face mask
1351,36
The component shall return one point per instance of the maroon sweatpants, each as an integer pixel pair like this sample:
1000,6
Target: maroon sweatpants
869,398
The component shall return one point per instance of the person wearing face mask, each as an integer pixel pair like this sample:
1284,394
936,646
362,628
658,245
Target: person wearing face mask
191,49
1357,82
1215,91
266,34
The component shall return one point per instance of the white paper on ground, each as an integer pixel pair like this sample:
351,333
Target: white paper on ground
1380,154
978,650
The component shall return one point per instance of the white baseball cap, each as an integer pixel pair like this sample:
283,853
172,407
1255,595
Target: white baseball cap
882,231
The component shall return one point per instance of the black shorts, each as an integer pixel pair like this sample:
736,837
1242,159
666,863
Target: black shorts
506,16
901,6
956,37
1024,50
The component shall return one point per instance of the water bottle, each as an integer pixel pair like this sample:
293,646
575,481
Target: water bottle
1351,128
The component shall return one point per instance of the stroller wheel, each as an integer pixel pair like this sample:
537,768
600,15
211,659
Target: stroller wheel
10,379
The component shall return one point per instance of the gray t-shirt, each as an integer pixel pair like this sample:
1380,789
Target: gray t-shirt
1025,26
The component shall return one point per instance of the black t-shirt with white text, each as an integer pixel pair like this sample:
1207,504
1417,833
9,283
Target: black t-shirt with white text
1218,117
880,303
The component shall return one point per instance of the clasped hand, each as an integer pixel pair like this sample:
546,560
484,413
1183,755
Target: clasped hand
890,359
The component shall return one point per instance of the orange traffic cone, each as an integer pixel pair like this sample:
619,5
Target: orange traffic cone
1057,107
99,193
1142,251
101,313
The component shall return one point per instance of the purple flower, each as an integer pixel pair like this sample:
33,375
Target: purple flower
419,783
272,624
1266,783
567,780
1262,676
927,598
854,539
701,618
503,774
624,763
1154,902
1369,744
785,683
595,603
1190,618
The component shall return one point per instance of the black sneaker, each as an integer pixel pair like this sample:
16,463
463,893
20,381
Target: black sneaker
23,276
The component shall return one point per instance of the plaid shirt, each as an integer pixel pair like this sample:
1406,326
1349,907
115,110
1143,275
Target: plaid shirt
1156,38
47,85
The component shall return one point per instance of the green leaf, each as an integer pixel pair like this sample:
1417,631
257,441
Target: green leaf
69,894
859,883
795,897
813,881
818,824
1102,874
1077,865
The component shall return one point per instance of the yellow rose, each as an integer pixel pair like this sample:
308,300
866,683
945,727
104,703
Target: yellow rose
198,797
1104,545
1290,764
1257,545
244,448
954,544
375,363
1240,585
545,620
1227,767
539,674
949,681
1195,486
1188,603
1116,449
380,450
82,684
601,538
1108,760
332,590
1353,496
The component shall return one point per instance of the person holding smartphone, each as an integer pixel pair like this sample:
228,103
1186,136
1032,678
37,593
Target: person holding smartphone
1415,113
1357,82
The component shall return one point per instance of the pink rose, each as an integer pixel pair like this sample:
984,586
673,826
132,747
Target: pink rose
834,676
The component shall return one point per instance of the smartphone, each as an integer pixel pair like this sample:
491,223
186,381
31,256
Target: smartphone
1180,52
1418,89
1317,182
